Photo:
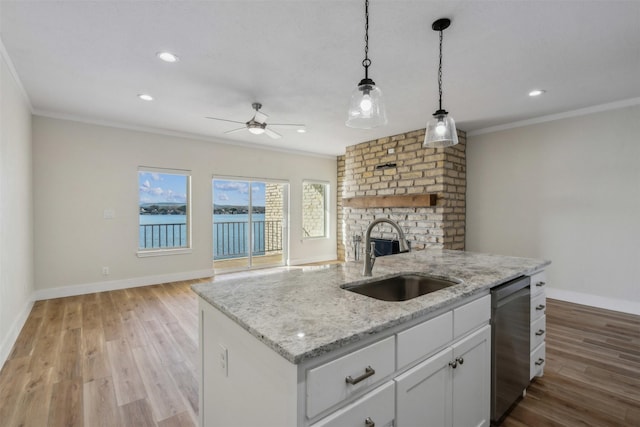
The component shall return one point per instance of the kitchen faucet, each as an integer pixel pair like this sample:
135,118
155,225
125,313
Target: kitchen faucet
370,247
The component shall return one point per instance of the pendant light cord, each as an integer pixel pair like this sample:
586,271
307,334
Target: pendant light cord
440,74
366,61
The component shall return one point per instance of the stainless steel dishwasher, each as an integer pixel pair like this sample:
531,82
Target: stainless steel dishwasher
510,313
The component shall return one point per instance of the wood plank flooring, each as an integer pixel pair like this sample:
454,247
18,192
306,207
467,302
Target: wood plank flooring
119,358
592,374
129,358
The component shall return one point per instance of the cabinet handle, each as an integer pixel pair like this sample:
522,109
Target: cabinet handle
540,332
540,284
368,371
540,307
460,360
369,422
540,361
454,364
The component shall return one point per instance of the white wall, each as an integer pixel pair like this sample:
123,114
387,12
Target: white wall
82,169
565,190
16,209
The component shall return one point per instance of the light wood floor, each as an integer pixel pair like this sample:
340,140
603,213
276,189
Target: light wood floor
592,375
129,358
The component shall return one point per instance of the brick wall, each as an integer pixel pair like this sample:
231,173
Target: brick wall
418,170
273,216
313,211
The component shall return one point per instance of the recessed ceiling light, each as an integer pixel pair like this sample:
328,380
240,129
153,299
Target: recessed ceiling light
536,92
302,130
145,97
167,56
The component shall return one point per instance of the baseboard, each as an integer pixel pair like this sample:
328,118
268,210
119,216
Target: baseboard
14,331
614,304
321,258
112,285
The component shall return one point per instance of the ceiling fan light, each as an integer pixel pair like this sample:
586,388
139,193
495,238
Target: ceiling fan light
441,131
366,109
256,130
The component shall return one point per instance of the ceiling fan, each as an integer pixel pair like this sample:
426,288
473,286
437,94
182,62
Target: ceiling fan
258,124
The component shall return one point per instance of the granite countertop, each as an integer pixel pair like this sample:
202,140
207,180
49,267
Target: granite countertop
302,313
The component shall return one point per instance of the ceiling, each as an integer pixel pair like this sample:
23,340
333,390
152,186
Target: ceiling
88,60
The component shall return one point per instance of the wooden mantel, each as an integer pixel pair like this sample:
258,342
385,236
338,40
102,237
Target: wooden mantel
405,201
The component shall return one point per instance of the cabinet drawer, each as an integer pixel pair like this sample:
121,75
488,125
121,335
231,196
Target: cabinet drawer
538,283
537,361
424,339
328,385
538,332
378,406
538,307
471,315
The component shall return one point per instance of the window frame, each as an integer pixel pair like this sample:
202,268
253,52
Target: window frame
151,252
327,212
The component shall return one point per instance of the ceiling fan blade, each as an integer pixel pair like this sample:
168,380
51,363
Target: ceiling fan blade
272,134
235,130
288,125
224,120
260,117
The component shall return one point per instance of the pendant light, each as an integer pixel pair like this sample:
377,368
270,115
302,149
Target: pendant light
366,110
441,129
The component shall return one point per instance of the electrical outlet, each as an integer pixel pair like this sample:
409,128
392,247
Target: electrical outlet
224,360
105,271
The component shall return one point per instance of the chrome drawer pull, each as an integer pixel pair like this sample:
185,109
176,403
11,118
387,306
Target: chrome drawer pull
454,364
460,360
540,361
540,332
369,422
540,307
540,284
368,371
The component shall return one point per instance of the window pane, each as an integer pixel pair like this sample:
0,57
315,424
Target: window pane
314,209
163,210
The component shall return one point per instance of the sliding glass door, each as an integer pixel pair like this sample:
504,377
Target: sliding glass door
249,223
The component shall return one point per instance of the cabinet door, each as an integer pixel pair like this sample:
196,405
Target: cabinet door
472,380
423,393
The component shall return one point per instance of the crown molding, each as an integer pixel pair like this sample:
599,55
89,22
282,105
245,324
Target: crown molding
552,117
12,70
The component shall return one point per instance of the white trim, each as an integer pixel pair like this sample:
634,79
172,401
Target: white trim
321,258
12,70
163,252
574,113
615,304
10,339
177,134
112,285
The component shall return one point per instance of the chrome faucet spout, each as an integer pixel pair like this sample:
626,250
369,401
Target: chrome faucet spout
369,256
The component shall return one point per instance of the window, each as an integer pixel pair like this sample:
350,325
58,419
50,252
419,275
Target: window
163,211
315,217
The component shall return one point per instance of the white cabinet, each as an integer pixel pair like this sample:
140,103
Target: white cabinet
374,409
538,329
335,381
451,388
434,373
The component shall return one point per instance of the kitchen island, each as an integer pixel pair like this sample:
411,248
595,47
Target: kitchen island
270,342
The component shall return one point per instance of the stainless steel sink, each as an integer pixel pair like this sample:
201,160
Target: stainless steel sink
401,287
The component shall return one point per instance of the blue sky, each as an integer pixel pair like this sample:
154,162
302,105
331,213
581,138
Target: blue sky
162,188
227,192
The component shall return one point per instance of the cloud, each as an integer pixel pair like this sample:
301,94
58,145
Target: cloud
241,187
156,176
223,197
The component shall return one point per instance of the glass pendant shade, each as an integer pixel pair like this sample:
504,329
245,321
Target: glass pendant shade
441,131
366,109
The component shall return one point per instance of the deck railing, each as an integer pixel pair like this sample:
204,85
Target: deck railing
230,239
